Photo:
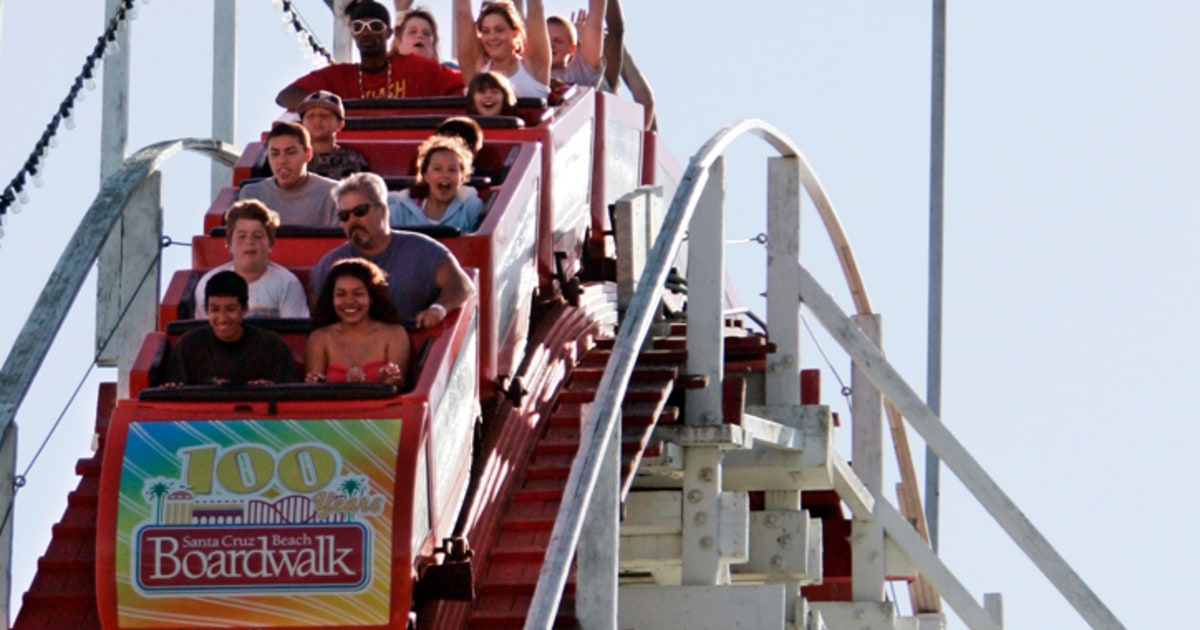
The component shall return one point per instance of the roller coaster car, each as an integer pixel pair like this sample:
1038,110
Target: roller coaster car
298,505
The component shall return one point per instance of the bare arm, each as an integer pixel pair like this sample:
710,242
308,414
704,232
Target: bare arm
641,90
397,355
469,55
537,54
614,45
454,289
402,6
591,36
315,361
290,97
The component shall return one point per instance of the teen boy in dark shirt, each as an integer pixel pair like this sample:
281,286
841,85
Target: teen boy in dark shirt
228,351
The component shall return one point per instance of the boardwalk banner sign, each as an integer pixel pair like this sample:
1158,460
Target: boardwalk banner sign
247,514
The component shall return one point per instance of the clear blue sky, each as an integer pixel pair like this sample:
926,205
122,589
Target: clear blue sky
1070,257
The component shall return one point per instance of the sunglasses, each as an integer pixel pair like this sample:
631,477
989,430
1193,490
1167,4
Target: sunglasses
359,211
375,26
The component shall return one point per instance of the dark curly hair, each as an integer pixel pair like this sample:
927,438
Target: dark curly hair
372,277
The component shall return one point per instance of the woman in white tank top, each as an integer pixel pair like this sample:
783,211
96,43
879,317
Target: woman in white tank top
500,42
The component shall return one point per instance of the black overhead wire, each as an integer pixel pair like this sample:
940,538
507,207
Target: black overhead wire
20,480
15,191
303,32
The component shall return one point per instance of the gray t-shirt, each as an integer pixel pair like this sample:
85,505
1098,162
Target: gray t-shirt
310,204
411,262
577,72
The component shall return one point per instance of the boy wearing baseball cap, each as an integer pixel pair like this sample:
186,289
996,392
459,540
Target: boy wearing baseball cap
323,115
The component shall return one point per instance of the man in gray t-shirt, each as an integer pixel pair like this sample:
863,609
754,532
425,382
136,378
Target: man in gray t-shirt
424,277
300,197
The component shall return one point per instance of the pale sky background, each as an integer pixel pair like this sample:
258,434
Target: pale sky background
1070,229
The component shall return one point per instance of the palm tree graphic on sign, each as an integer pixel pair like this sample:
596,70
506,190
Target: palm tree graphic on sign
154,490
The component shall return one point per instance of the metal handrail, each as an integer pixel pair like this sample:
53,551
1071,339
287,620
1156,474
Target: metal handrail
602,420
43,323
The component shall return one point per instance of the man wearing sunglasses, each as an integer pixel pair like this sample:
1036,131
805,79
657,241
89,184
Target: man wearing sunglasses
380,73
424,277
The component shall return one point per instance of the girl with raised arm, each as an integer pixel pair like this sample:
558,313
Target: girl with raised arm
501,41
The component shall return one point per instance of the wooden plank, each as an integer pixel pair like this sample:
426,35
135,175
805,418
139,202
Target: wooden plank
783,254
1014,522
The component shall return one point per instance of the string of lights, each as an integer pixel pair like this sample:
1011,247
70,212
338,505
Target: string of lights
312,46
16,193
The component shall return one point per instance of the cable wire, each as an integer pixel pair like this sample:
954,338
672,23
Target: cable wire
20,480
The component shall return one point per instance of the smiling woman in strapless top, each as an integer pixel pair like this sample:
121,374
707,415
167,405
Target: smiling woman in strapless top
358,338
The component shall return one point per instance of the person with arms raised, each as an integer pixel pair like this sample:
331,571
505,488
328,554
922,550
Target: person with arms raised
250,234
378,74
501,41
577,45
416,32
424,277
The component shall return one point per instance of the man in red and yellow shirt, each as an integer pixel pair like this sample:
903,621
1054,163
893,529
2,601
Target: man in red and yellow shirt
379,74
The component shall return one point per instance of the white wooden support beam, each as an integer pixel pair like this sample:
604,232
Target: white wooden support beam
343,41
114,119
874,615
767,467
8,489
866,536
599,542
932,568
706,294
128,282
993,603
701,522
930,621
224,85
783,254
985,490
867,410
851,489
629,227
702,607
114,135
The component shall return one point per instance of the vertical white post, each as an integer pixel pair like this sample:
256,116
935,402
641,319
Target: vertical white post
701,530
993,603
343,41
224,84
629,227
867,560
114,133
783,283
139,276
706,354
599,542
706,315
8,474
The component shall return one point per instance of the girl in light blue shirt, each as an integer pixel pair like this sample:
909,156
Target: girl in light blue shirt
439,197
